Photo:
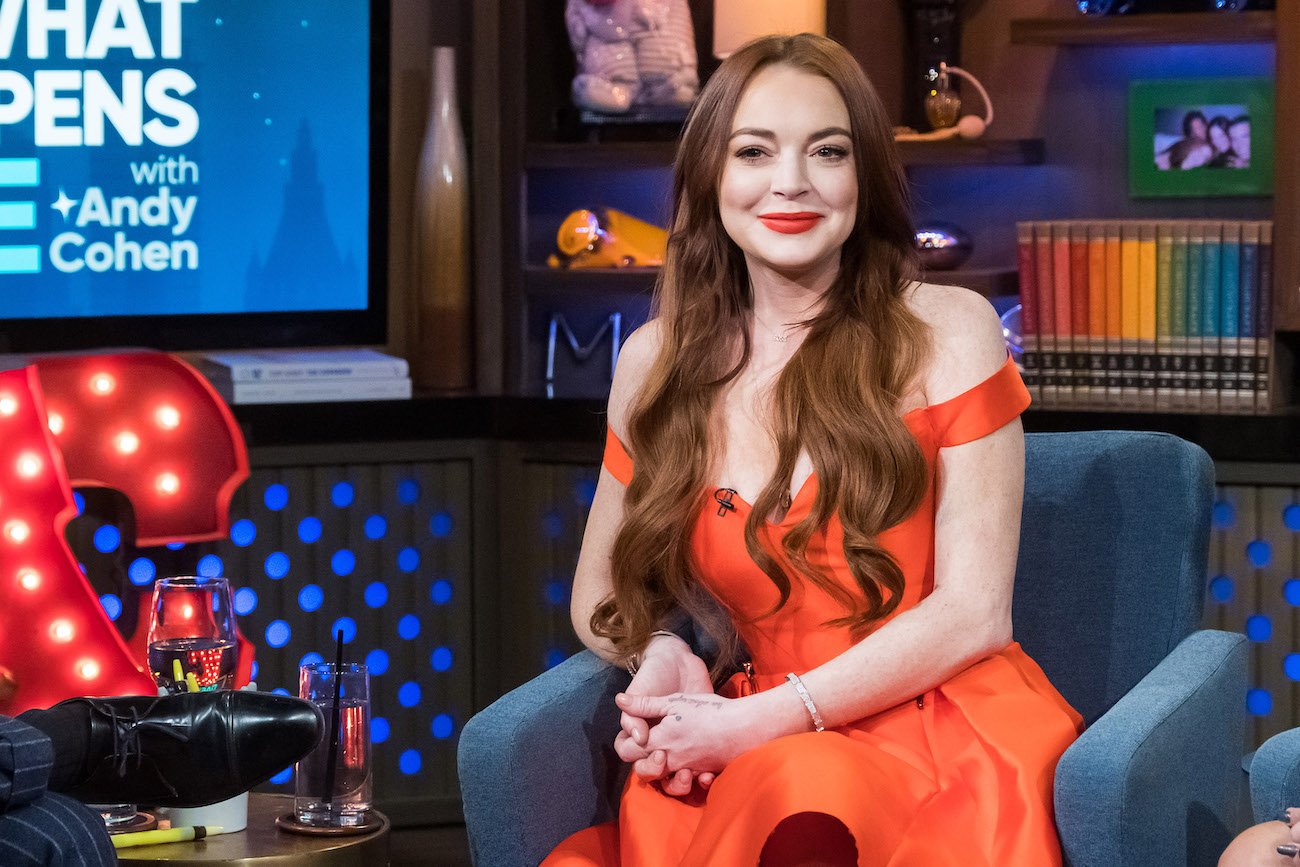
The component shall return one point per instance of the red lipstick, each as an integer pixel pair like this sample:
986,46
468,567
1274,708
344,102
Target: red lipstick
790,223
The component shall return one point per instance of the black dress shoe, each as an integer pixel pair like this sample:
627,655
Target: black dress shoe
191,749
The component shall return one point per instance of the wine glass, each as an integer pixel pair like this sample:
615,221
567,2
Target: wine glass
192,635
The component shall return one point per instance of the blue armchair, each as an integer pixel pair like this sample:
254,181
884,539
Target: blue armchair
1108,595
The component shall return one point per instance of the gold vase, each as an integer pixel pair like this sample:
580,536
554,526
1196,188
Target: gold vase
441,340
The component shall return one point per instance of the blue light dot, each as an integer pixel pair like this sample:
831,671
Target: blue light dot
175,546
245,601
243,532
376,594
552,525
342,494
276,497
311,659
141,571
1291,591
408,627
557,592
1223,515
585,491
1260,553
79,501
277,565
408,559
283,777
409,694
309,530
408,492
1259,627
440,525
303,22
347,626
378,730
82,567
112,606
1291,665
278,633
377,661
210,566
440,592
267,121
443,726
343,562
279,690
1221,588
1291,517
554,657
441,658
1259,702
376,527
410,762
253,673
310,597
107,538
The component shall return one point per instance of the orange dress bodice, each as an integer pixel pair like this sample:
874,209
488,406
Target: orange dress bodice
961,775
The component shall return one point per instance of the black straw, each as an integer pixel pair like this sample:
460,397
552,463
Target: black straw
336,720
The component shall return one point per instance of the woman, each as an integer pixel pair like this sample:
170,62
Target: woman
816,455
1221,142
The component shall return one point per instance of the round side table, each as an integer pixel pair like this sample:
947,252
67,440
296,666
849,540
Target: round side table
262,844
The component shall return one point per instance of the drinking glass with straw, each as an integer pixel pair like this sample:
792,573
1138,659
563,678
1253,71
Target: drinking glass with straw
333,781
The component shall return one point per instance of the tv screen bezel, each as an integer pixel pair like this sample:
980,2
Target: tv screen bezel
249,330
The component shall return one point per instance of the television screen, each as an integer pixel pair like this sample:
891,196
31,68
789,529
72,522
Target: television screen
202,166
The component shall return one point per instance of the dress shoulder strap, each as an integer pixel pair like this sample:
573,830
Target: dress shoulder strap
617,460
981,409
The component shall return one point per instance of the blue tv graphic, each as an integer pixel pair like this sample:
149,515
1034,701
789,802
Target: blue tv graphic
184,157
18,258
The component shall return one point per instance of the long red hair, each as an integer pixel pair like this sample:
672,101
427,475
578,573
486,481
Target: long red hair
838,396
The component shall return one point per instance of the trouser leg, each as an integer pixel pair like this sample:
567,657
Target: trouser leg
54,831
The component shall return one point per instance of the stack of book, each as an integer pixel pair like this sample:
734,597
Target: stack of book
306,376
1149,316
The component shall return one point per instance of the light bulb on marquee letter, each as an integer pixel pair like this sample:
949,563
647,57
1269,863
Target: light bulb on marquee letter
127,443
167,484
102,383
168,417
29,579
88,669
56,423
29,465
17,531
62,631
8,406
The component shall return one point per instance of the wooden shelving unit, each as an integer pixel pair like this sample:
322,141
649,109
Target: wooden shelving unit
1188,28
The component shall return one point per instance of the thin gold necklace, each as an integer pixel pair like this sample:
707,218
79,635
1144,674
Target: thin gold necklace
779,338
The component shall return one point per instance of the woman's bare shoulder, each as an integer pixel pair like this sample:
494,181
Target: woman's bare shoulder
635,358
967,345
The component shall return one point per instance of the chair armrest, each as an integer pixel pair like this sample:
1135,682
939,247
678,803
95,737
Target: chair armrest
1156,779
1275,775
538,764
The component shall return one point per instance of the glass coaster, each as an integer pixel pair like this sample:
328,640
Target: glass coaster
288,822
141,822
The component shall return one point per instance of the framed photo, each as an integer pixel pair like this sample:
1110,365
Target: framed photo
1200,137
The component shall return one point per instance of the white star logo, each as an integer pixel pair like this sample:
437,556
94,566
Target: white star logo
63,204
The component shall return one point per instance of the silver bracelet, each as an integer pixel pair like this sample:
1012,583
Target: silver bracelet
634,664
807,701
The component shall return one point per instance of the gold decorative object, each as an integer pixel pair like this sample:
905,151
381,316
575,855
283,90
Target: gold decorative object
608,238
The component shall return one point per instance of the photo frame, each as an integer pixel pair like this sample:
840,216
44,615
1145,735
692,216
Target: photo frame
1200,137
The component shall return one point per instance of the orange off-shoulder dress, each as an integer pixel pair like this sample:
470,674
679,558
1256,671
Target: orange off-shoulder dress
961,775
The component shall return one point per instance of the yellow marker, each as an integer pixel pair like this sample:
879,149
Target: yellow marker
191,682
171,835
178,673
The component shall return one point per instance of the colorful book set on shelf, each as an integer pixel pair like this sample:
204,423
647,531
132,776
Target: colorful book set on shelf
1147,316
